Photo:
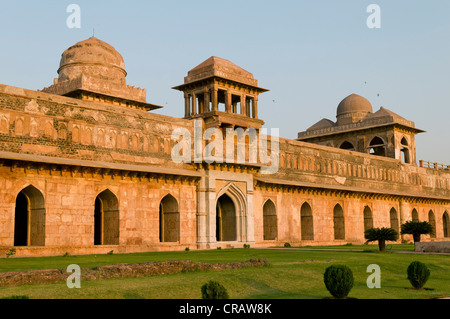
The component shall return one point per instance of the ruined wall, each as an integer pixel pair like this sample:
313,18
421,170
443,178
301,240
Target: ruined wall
45,124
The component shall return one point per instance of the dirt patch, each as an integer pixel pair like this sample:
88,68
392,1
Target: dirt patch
48,276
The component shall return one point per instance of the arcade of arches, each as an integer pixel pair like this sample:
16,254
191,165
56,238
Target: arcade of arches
30,219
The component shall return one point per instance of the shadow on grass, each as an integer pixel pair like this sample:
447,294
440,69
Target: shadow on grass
263,289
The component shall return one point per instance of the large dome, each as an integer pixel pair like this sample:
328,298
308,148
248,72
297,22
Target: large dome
354,104
92,58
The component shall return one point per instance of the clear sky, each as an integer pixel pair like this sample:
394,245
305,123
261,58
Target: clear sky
310,54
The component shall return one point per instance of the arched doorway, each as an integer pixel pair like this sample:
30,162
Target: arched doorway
29,218
226,219
394,220
169,220
307,224
106,219
415,215
432,221
339,222
446,224
269,220
368,218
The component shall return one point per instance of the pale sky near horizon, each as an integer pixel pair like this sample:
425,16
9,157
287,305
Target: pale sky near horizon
309,54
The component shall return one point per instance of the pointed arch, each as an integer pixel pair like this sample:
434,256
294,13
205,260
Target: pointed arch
339,222
226,219
415,215
29,219
270,220
347,146
432,221
377,146
106,219
368,218
75,134
446,224
4,124
231,214
18,127
393,216
306,221
405,153
169,220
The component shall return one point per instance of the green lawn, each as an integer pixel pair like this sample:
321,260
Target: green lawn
292,274
371,247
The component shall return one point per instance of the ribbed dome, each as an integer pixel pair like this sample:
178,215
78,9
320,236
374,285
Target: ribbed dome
92,58
354,104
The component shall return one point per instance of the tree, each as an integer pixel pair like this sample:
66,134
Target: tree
381,235
416,229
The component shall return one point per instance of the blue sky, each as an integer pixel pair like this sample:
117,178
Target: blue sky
310,54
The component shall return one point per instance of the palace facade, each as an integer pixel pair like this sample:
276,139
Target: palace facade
86,167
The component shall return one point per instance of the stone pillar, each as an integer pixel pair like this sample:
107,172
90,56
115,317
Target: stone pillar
250,220
194,104
201,104
228,102
206,102
404,216
215,99
202,214
243,105
187,105
255,107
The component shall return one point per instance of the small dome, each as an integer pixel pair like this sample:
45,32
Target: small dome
92,58
354,104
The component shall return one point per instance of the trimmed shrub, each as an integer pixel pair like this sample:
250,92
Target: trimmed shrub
338,280
287,245
418,274
214,290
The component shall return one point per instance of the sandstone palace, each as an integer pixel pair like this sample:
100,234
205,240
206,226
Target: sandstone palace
86,167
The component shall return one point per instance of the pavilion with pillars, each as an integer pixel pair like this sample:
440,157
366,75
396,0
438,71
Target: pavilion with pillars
223,94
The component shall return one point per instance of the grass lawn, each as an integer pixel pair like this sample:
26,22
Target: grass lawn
369,248
292,274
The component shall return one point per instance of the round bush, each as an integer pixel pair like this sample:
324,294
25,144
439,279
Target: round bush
214,290
418,274
339,280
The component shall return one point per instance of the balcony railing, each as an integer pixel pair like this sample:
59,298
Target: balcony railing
441,167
